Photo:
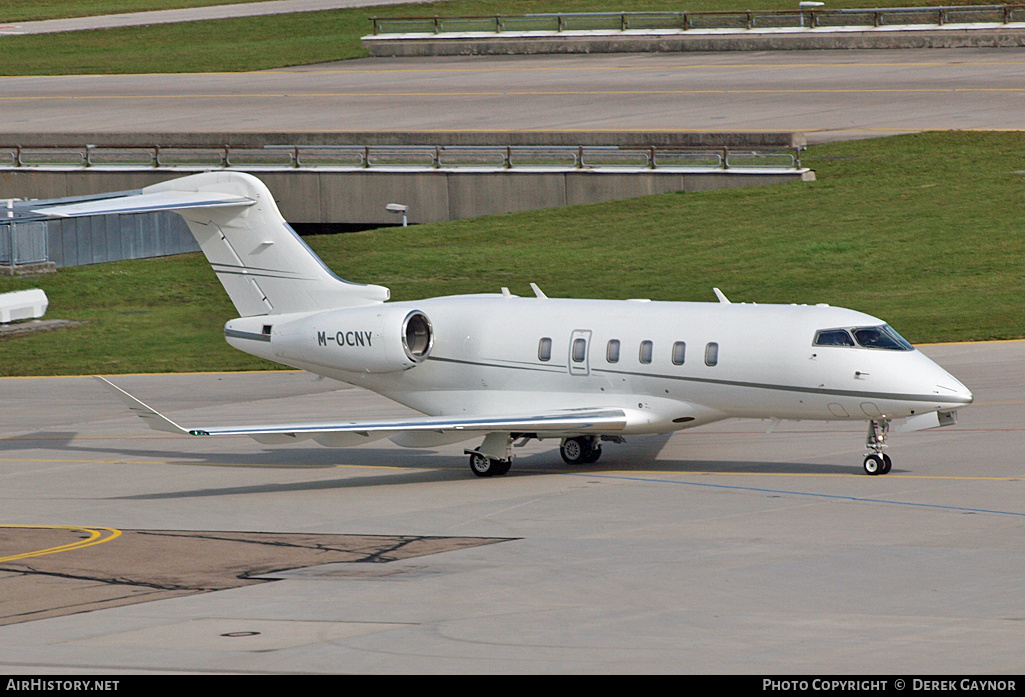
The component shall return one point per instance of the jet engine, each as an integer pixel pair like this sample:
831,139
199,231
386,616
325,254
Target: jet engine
373,339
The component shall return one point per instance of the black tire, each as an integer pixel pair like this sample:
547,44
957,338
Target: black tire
874,464
592,455
501,467
574,450
887,464
482,465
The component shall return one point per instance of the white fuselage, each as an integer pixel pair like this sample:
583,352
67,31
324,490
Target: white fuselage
738,360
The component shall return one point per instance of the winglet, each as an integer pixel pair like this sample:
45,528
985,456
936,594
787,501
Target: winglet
153,418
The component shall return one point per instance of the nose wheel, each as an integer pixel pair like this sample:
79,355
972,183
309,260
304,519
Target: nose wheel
877,462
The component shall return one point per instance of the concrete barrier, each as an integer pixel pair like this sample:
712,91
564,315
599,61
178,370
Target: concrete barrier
22,304
538,43
359,197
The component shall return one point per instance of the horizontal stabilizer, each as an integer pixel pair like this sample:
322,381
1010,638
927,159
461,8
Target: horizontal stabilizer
565,421
146,203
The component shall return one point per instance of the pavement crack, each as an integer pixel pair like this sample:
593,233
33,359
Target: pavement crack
112,581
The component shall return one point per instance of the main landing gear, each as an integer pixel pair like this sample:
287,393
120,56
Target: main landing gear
876,461
484,466
494,457
582,450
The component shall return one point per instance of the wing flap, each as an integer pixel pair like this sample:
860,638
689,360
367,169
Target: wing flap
563,421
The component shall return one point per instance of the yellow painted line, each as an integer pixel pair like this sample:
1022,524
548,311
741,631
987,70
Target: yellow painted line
96,537
195,372
970,343
630,68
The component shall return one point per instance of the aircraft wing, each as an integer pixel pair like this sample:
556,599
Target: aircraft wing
570,420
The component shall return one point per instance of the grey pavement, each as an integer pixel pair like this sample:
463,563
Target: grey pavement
193,14
719,550
826,94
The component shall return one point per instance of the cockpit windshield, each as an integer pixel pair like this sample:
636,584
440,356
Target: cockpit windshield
883,337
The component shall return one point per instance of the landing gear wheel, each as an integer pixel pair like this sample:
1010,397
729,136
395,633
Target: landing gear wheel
874,464
501,467
580,450
482,465
887,464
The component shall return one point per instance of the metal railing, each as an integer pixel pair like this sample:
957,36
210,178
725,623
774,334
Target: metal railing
767,19
418,157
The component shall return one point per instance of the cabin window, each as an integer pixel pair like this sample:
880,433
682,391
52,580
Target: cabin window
645,356
544,349
833,337
579,350
712,353
612,352
679,352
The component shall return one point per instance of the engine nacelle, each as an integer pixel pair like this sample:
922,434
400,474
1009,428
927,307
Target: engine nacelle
373,339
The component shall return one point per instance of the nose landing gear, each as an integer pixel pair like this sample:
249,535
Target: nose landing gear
876,461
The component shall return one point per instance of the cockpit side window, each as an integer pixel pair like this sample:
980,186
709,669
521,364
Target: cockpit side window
883,337
833,337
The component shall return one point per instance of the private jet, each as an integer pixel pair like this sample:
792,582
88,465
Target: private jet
511,369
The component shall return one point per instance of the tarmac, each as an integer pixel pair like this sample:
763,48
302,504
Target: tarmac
827,95
724,549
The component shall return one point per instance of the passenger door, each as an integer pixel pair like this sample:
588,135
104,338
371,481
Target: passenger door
579,351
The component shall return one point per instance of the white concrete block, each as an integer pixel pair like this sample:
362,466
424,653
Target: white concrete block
22,304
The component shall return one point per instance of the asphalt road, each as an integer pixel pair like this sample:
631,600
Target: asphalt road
719,550
828,95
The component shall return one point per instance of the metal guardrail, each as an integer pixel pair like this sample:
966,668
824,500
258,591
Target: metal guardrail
499,157
767,19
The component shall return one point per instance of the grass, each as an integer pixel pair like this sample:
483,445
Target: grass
31,10
923,231
260,43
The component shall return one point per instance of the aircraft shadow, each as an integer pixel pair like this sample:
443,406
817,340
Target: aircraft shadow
639,454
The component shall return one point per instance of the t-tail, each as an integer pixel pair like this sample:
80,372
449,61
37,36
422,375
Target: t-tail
264,266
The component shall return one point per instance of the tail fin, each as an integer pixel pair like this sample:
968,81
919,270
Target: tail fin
262,263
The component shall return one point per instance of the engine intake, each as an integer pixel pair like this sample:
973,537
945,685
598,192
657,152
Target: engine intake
417,336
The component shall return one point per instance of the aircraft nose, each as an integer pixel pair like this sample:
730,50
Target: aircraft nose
949,385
